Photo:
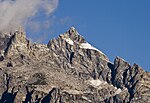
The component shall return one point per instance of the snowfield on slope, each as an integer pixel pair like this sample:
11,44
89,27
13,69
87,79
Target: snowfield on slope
88,46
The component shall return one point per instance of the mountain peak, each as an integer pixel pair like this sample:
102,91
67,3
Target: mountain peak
75,40
72,30
71,68
73,35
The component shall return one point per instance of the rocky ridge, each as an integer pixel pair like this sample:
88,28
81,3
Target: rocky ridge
67,70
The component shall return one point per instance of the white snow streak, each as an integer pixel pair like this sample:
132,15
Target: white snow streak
88,46
118,91
96,83
69,41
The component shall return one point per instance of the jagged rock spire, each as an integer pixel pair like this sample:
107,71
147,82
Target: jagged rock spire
74,39
18,43
20,36
73,34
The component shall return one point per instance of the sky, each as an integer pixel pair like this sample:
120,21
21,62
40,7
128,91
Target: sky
116,27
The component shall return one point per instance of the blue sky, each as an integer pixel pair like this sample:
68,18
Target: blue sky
116,27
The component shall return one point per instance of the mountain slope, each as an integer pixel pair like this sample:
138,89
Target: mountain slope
67,70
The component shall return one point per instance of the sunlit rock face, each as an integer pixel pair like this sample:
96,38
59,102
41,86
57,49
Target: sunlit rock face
66,70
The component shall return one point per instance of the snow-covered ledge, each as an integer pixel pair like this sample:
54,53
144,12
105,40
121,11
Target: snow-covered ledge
88,46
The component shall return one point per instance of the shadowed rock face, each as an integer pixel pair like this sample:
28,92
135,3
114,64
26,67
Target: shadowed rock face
67,69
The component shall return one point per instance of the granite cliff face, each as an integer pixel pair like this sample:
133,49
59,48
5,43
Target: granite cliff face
66,70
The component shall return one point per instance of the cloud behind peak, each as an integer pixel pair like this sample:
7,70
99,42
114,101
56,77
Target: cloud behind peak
15,13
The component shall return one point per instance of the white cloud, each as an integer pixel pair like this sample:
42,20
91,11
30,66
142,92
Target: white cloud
15,13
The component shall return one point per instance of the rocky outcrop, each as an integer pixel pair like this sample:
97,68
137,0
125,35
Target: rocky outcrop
67,70
18,44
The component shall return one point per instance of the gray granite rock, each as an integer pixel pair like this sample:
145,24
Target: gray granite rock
67,70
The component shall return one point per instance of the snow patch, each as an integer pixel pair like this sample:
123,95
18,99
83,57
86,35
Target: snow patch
2,53
73,91
96,83
118,91
105,83
85,98
88,46
69,41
